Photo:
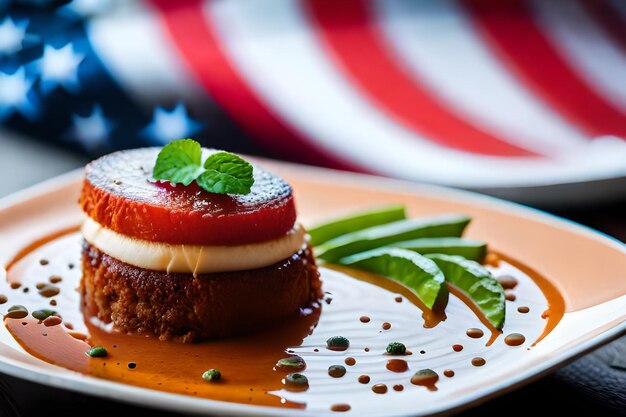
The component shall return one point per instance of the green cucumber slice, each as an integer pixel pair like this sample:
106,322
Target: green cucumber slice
474,250
417,272
357,221
374,237
477,282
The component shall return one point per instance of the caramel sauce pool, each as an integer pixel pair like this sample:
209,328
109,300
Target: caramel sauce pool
247,364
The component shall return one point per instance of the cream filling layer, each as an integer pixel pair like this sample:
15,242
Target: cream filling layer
194,259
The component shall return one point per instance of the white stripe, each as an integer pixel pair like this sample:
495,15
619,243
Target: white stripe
272,47
589,51
439,47
131,43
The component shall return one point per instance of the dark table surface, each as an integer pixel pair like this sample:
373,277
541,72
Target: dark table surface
595,383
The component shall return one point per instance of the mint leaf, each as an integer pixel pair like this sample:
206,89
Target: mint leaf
226,173
179,162
223,172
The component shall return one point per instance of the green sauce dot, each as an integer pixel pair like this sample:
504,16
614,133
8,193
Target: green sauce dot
396,348
97,352
293,363
212,375
296,382
336,371
338,343
43,314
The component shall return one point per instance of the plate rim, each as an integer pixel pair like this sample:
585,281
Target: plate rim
64,379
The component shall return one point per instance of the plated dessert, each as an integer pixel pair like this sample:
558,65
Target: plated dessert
194,277
180,262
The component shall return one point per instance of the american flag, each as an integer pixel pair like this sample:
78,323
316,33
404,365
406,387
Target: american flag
505,96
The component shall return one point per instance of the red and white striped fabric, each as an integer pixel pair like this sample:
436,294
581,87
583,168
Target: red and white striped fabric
508,95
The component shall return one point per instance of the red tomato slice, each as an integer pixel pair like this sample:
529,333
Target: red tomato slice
120,194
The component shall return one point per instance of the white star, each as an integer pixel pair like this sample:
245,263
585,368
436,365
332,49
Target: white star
11,36
171,125
59,67
91,131
14,91
85,8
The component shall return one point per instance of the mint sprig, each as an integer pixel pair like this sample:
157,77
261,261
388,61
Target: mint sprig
180,162
226,173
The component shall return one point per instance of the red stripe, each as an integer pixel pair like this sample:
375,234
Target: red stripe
608,19
199,46
510,30
348,30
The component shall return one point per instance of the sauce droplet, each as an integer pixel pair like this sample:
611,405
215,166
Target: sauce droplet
379,388
48,290
338,343
448,373
55,279
16,312
509,295
514,339
364,319
457,348
398,387
350,361
364,379
523,309
15,285
478,361
340,407
508,282
3,298
425,378
386,326
296,382
397,365
52,321
475,333
43,262
43,314
336,371
293,363
398,299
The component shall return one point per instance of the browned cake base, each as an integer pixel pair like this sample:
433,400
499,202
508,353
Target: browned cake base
188,308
